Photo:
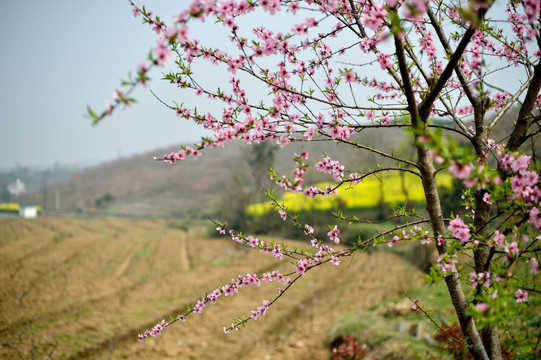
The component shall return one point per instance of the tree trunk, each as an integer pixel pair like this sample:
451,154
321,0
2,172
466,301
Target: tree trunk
433,205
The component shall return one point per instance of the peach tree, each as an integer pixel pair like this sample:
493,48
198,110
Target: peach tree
447,71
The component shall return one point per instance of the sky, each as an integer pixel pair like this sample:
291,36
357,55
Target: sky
60,56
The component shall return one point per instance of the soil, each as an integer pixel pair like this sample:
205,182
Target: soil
75,288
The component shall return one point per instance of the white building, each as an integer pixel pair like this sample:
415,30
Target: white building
28,211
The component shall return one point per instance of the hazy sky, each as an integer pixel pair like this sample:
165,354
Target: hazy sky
57,57
60,56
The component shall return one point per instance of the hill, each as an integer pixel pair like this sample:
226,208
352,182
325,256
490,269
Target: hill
140,186
211,185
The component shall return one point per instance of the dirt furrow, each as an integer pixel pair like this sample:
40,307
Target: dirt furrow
129,336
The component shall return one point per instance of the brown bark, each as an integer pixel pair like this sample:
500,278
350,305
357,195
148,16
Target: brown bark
425,163
523,121
482,263
433,206
419,115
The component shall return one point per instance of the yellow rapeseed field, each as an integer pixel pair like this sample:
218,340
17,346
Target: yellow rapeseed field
9,207
391,188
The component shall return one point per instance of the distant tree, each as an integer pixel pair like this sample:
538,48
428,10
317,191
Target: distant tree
104,200
243,190
332,68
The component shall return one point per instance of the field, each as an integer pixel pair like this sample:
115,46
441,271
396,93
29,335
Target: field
74,288
393,189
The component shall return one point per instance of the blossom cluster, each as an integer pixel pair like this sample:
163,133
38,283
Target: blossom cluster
524,182
329,166
155,331
459,230
477,279
228,289
446,263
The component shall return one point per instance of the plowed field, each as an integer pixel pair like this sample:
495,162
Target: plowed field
74,288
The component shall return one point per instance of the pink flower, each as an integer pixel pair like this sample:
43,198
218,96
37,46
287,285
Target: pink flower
163,54
384,120
335,261
473,280
482,307
198,308
499,239
374,15
308,230
228,290
135,10
370,115
446,264
460,171
531,10
309,133
349,76
156,330
293,7
267,278
512,249
520,163
535,265
394,241
522,296
459,230
535,217
331,167
108,108
283,214
277,252
384,61
252,242
301,266
333,234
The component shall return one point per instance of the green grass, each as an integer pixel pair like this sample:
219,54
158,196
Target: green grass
77,314
144,252
222,261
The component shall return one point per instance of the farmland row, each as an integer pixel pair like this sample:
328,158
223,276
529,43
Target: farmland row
67,273
107,278
296,328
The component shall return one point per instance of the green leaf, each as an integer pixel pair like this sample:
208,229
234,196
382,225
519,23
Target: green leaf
92,114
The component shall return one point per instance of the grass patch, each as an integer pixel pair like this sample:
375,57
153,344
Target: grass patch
434,299
381,336
77,314
44,325
143,252
222,261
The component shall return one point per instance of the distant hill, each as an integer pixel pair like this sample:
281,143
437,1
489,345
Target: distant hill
140,186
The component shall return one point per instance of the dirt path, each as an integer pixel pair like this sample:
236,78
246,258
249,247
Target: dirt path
185,263
126,262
